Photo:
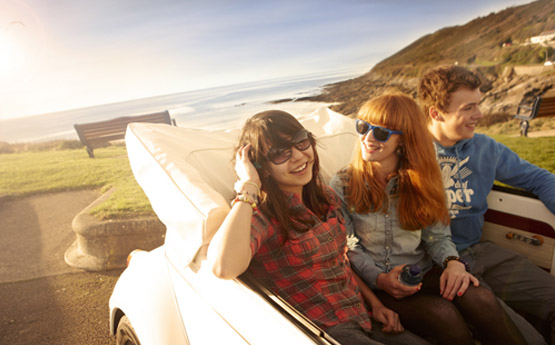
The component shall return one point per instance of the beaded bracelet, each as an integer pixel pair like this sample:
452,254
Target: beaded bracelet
243,198
456,258
253,184
240,184
252,196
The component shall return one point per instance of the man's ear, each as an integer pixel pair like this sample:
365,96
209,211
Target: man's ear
435,114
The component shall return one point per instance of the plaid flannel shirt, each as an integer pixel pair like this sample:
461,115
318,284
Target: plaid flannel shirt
310,270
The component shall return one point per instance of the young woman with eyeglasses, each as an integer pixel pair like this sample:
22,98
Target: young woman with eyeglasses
395,212
285,226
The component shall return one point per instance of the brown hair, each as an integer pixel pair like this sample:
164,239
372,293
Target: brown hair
437,85
421,195
273,128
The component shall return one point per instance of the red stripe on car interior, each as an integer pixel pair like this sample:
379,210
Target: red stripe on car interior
520,223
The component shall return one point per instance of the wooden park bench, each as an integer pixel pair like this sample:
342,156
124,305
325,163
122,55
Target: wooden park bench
542,107
98,134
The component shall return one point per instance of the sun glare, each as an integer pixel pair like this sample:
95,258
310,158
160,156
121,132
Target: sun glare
12,57
21,44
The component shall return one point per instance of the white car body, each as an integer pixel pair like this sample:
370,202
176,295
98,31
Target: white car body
171,298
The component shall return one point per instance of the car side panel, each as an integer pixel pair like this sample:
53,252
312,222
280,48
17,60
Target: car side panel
228,311
145,295
522,224
204,325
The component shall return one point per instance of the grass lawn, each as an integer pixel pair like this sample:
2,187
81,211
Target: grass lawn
538,151
31,172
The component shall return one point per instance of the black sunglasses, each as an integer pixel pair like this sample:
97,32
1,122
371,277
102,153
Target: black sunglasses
380,133
301,141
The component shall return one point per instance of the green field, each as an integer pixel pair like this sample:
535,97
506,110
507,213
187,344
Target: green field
538,151
32,172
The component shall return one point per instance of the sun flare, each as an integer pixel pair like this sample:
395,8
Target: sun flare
12,58
21,44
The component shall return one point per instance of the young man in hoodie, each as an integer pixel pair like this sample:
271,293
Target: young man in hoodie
470,163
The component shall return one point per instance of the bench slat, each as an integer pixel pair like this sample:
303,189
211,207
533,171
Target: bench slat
547,107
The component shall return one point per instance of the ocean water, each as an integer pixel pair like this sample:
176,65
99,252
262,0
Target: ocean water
213,108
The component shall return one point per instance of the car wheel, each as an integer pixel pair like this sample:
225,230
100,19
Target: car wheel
125,334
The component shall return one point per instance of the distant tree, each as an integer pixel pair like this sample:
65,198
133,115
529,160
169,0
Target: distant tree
545,53
507,41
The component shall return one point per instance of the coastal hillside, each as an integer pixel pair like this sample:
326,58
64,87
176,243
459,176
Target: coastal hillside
508,50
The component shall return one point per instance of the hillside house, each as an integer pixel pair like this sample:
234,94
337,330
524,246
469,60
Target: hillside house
544,37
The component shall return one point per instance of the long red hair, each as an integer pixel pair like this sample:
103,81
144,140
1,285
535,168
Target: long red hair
421,195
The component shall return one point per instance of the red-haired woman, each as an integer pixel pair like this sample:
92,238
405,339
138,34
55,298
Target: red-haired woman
395,211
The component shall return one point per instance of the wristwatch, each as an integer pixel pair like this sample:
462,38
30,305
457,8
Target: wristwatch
449,258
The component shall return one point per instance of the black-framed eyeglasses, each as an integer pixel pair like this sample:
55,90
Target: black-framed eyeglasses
301,141
381,134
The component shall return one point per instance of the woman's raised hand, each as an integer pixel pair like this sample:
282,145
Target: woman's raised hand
244,168
389,282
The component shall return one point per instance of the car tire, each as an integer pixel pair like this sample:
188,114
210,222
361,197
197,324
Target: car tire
125,334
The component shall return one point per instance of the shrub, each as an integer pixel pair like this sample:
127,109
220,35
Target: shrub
5,147
70,145
53,145
492,119
524,55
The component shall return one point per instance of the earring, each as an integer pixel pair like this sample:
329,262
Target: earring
400,151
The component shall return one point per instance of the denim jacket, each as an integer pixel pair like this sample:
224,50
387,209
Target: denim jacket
377,243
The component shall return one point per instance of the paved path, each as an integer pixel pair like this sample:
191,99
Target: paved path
42,299
547,133
36,231
537,134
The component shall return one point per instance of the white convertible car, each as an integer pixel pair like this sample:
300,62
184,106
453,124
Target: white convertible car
169,297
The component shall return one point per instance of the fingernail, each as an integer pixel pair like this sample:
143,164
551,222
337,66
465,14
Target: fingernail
459,294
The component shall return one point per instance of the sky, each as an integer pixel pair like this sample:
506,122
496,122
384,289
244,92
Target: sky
65,54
